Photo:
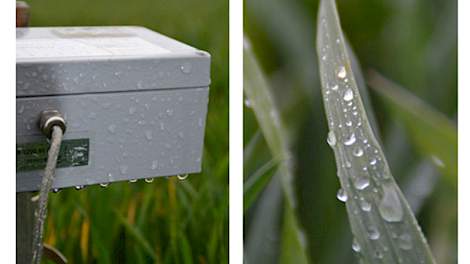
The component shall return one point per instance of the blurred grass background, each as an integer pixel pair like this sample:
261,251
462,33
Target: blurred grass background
167,221
414,44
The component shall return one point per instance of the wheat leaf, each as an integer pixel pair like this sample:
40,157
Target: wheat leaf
384,227
268,117
433,133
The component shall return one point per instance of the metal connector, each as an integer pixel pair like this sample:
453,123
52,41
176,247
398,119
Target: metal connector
49,119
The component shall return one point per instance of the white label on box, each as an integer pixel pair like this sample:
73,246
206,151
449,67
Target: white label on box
85,47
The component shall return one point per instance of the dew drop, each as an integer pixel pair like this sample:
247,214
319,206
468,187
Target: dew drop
123,169
348,95
361,183
104,184
405,242
133,180
149,180
373,161
342,195
56,190
334,88
358,152
331,139
148,135
112,129
365,206
350,140
373,233
186,68
342,72
355,246
154,164
390,207
247,103
79,187
182,177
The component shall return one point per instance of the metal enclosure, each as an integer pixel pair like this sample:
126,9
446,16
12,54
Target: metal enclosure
135,103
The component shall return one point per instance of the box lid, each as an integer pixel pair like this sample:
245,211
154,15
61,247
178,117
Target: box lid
82,60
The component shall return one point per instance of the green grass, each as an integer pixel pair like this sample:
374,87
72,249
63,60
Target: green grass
167,221
383,225
414,107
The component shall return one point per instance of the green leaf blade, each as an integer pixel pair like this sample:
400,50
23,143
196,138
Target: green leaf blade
381,220
270,123
434,135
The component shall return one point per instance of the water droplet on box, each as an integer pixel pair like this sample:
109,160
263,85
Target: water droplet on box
148,180
182,177
148,135
154,165
112,129
186,68
123,169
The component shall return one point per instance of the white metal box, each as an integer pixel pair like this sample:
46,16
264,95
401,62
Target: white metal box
135,104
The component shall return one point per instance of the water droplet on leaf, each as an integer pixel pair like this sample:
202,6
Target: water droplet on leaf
348,95
342,195
390,207
350,140
331,139
341,72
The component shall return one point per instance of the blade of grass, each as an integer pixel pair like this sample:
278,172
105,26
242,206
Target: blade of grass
137,234
433,134
381,220
262,243
257,91
256,183
267,115
291,243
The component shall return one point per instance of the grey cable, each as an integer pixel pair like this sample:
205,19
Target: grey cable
47,180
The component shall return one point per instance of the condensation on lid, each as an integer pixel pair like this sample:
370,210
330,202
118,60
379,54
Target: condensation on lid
85,47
